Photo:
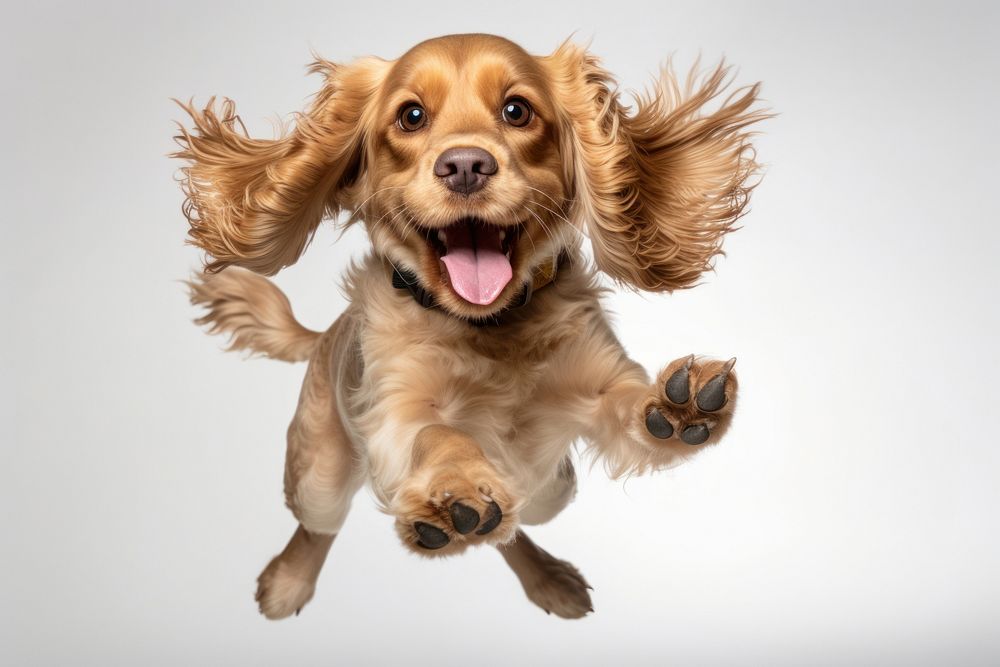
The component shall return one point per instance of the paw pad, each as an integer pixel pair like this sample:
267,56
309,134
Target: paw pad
713,395
463,520
431,537
658,425
695,434
493,518
674,411
677,388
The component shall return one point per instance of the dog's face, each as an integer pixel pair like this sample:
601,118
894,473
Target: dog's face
464,181
472,162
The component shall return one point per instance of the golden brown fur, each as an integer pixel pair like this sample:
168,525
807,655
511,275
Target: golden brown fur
462,417
256,317
553,584
660,188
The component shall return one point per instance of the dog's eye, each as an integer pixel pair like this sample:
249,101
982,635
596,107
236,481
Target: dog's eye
412,117
516,112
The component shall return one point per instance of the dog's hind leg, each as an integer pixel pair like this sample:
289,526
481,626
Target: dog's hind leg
552,584
322,474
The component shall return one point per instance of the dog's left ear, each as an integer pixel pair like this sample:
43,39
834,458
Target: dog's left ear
657,189
257,202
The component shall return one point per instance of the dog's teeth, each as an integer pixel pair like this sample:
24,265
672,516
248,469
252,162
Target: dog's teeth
442,237
503,235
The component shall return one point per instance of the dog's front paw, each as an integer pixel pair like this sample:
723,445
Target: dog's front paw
446,509
693,401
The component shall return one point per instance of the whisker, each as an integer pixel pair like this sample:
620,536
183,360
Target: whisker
550,197
561,217
554,202
555,213
388,213
377,222
361,206
545,228
556,239
393,264
408,225
412,224
568,224
533,247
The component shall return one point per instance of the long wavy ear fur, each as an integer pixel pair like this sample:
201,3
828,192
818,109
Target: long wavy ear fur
256,202
657,189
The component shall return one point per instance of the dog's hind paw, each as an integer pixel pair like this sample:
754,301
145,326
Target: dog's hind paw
282,592
559,589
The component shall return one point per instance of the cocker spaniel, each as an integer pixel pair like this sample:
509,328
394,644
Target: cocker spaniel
475,351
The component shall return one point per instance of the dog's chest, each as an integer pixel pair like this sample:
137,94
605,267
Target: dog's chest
488,385
498,401
465,377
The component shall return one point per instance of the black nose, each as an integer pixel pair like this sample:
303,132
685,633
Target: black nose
465,170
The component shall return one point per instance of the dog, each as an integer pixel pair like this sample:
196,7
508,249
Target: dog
475,351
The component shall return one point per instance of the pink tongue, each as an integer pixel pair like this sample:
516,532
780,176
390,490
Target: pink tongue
477,267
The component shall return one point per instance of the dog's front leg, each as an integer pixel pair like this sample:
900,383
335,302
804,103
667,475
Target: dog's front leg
452,496
637,425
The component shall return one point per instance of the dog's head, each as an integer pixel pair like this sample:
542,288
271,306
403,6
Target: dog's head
472,163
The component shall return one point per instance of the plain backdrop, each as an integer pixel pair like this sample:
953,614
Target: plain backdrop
848,518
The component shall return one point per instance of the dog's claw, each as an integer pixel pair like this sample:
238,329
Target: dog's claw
493,518
658,426
431,537
695,434
464,518
713,395
677,387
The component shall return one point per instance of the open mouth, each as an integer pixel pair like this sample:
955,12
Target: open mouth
476,257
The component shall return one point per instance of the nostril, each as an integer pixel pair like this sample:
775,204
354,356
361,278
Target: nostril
486,166
444,168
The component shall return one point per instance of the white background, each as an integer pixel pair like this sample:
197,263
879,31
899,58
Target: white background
848,517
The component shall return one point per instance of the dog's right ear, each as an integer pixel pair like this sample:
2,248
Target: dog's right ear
256,202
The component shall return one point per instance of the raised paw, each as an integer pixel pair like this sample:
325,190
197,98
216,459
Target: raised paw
692,401
454,507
